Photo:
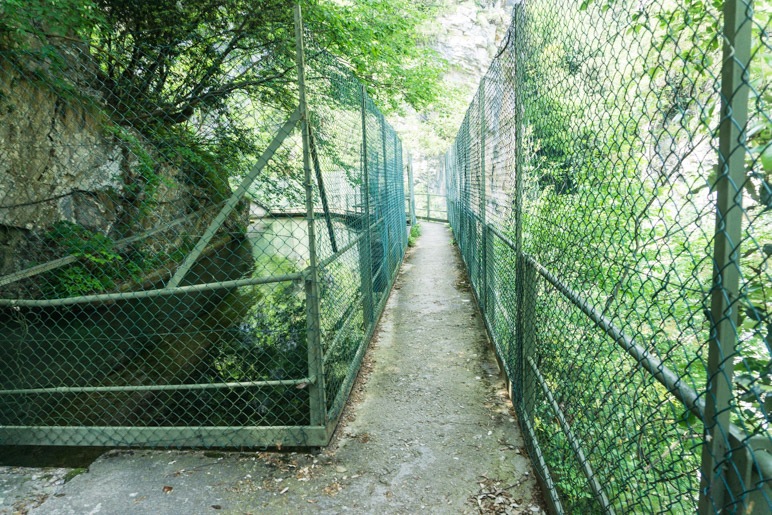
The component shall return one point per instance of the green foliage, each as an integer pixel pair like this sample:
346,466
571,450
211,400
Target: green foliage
342,324
165,61
270,340
270,343
80,242
32,24
100,266
415,232
196,85
205,161
381,41
442,119
617,109
633,187
142,179
97,265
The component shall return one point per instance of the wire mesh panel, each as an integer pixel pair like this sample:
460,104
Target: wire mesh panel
429,198
184,259
609,191
359,195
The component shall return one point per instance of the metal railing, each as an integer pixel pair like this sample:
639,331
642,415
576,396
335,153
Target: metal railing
431,206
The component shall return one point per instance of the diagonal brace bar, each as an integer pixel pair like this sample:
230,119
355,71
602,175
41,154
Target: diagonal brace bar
322,189
234,199
595,485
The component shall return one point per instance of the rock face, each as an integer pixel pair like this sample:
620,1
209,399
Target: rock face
55,165
61,160
55,162
469,37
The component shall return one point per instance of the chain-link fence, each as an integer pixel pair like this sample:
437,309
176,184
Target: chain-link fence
610,192
194,251
427,189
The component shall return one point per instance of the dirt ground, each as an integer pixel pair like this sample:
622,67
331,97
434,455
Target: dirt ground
429,429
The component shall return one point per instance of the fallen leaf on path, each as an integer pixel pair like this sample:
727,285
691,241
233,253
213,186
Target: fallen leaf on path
332,489
493,498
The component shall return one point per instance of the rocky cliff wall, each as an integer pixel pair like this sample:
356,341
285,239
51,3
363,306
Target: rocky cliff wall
53,154
62,160
468,36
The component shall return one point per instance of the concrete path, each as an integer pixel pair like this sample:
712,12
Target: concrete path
429,429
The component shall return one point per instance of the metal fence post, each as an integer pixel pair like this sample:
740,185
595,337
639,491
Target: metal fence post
489,277
520,270
465,197
522,341
318,405
399,184
411,185
386,209
365,246
481,207
428,198
725,298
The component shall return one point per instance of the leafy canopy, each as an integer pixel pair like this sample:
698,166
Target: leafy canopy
197,78
166,58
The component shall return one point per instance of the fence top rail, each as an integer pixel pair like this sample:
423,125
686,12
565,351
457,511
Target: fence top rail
177,290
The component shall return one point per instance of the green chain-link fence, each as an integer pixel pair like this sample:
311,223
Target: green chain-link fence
429,201
194,253
610,190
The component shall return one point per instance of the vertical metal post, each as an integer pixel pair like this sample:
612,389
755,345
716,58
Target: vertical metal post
526,314
411,185
489,276
481,206
453,191
725,299
399,181
387,207
428,196
467,196
520,274
318,405
365,245
440,186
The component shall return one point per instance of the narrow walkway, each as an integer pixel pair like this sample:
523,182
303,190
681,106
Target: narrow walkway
429,429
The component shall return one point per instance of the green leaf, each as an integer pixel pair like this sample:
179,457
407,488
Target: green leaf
766,158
